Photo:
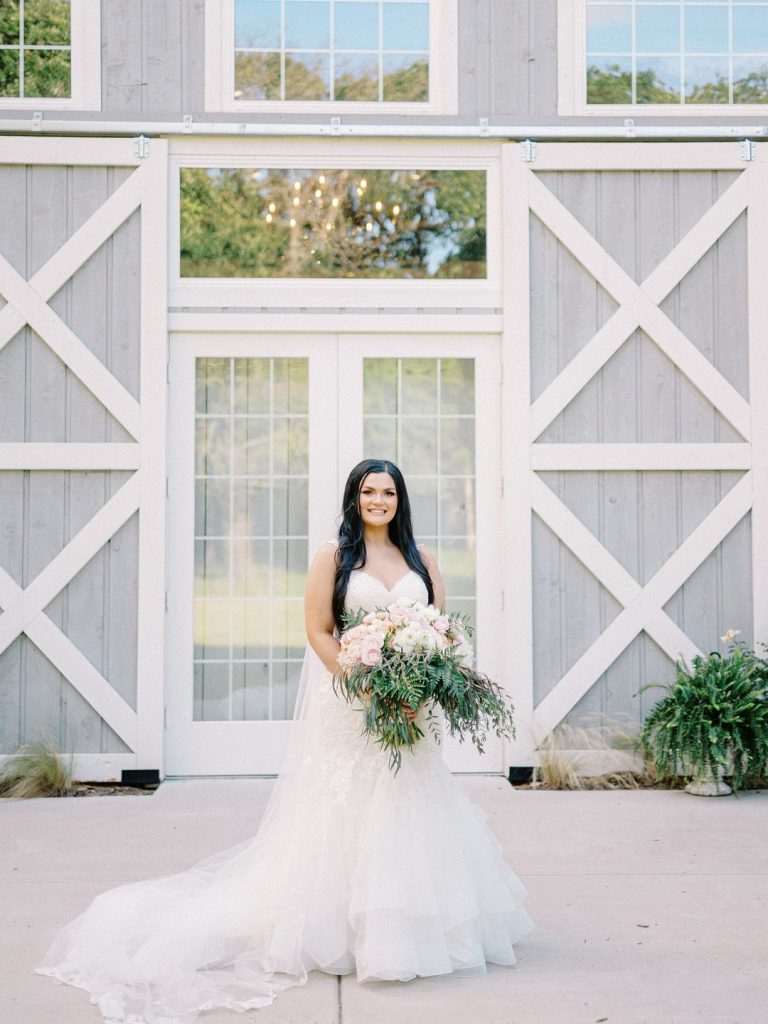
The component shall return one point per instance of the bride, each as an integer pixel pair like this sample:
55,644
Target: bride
353,868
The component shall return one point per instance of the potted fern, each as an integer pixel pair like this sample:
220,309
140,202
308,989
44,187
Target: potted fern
712,721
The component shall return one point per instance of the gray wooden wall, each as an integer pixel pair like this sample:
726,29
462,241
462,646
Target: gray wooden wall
152,67
639,395
41,400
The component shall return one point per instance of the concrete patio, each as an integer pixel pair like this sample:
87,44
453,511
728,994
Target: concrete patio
651,907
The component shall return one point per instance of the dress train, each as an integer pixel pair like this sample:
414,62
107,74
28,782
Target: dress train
352,869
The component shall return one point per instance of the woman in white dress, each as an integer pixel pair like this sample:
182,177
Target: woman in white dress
353,868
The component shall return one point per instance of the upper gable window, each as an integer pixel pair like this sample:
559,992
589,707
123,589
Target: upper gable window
353,54
676,56
47,59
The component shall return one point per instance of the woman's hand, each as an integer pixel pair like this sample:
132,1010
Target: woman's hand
410,714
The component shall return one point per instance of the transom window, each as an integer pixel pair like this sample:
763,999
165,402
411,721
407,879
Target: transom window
332,223
678,51
332,50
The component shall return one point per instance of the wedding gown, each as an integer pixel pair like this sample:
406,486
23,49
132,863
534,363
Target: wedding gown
353,868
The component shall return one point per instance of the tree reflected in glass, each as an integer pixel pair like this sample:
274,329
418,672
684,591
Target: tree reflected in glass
238,222
697,52
37,61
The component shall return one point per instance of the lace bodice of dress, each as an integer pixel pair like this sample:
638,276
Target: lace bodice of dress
368,592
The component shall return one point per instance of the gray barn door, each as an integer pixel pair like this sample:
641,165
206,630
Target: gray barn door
636,440
82,449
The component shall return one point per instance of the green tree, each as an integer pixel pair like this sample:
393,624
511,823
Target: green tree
223,233
709,92
752,88
409,84
257,76
304,81
46,72
613,84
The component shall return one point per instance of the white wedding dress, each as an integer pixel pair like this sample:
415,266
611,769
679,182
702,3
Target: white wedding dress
353,868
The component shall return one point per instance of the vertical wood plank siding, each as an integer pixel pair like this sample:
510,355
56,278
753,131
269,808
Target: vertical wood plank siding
41,400
641,517
153,63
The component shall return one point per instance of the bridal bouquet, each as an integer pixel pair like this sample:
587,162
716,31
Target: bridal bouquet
409,653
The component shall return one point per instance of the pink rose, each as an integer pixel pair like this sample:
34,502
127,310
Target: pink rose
371,656
355,633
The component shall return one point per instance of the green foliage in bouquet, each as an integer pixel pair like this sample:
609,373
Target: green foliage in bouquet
714,716
471,701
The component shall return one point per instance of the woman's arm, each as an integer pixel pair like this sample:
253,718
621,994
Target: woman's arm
318,611
437,580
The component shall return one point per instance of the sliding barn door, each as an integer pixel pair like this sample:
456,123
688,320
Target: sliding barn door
82,448
634,398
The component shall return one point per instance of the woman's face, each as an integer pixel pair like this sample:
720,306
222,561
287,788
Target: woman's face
378,499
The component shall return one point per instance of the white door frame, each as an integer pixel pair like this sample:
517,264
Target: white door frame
202,748
484,349
231,747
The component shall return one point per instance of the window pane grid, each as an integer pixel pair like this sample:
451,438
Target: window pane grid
435,450
30,32
250,536
309,50
254,416
248,630
714,52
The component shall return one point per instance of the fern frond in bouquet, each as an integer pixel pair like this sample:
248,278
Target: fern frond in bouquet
409,653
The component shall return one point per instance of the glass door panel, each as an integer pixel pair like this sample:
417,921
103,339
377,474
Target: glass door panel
420,413
253,437
251,535
424,412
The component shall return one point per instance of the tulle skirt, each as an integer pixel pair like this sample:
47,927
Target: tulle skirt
353,869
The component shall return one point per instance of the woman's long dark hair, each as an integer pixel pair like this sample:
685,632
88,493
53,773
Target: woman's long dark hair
351,552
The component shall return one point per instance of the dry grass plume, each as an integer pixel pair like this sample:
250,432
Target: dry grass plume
565,752
36,769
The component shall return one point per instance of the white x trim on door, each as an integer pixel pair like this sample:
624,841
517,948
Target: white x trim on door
638,307
141,728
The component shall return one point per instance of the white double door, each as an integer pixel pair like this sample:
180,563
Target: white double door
264,431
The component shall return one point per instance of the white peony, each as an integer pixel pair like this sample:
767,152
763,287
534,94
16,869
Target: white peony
413,638
404,639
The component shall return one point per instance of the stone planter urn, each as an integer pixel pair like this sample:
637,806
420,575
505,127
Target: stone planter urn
709,784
